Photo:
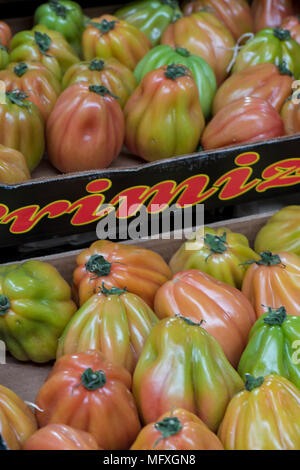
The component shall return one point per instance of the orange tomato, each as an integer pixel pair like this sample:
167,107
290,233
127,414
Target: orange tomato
108,36
87,392
264,416
86,128
270,13
274,280
5,34
60,437
177,430
235,14
17,422
227,314
13,166
205,35
141,271
290,115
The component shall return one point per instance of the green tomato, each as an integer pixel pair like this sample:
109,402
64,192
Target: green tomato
202,72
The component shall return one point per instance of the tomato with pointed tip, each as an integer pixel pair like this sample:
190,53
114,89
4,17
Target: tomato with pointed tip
34,79
85,130
183,366
242,121
17,421
264,416
274,280
89,393
177,430
116,77
60,437
112,321
108,36
5,34
226,313
163,116
141,271
13,166
205,35
265,81
270,13
235,14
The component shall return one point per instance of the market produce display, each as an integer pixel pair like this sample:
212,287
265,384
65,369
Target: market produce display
223,51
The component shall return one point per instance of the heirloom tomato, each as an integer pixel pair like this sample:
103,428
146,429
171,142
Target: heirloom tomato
116,77
150,16
87,392
109,36
204,35
225,311
273,280
163,115
281,232
5,34
292,24
221,255
290,114
274,46
63,16
17,422
35,306
264,81
272,346
141,271
244,120
182,366
264,416
33,78
43,45
85,130
22,127
4,57
114,322
60,437
177,430
235,14
13,166
270,13
201,71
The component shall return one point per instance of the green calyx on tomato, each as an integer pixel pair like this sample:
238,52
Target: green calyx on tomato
58,8
97,65
92,380
102,91
267,258
275,317
283,69
251,382
4,304
20,69
105,26
282,34
175,71
18,97
112,291
167,427
182,51
188,321
98,265
43,41
215,243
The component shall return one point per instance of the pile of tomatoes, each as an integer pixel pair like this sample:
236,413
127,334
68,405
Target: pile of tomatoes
162,78
203,353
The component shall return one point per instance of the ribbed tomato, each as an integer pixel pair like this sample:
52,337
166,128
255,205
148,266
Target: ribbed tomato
85,130
177,430
292,24
290,115
264,416
235,14
13,166
205,35
241,121
60,437
274,280
264,81
33,78
227,314
87,392
141,271
109,36
5,34
270,13
17,422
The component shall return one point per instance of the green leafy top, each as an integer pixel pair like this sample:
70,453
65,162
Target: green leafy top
167,427
112,291
105,26
43,41
276,316
102,91
58,8
97,64
283,69
282,34
182,51
92,380
189,321
267,259
252,382
175,71
20,69
98,265
4,304
18,97
215,243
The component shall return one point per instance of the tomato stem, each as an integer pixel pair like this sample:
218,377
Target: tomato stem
283,69
97,65
252,382
267,259
276,316
167,427
175,71
98,265
43,41
92,380
18,97
105,26
4,304
189,321
282,34
102,91
182,51
20,69
112,291
215,243
58,8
